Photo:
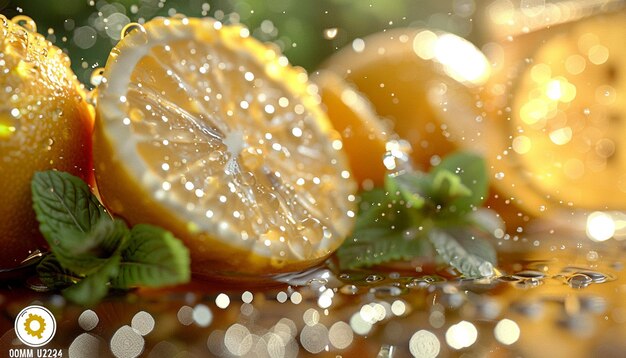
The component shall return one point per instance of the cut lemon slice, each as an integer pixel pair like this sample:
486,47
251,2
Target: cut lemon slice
363,133
206,132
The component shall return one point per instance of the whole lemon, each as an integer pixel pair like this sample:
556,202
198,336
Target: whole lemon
45,124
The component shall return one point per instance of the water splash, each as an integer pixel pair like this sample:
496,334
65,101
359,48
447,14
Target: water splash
26,22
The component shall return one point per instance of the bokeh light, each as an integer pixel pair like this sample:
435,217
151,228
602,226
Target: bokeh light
461,335
600,226
507,331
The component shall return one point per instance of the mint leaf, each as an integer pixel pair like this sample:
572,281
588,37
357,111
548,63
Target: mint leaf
94,287
153,258
417,211
84,253
475,243
472,171
64,202
88,246
468,257
105,238
386,247
383,232
53,275
413,187
447,186
486,220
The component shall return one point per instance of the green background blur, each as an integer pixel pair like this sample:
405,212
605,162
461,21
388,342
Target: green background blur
87,29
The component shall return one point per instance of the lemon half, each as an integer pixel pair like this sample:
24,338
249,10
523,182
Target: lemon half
212,135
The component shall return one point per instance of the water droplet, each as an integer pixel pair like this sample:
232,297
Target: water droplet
596,277
349,290
5,25
26,22
92,97
49,144
528,283
251,159
386,351
508,278
137,30
311,230
181,17
579,280
530,274
486,269
317,284
246,178
96,76
418,283
17,42
592,256
216,155
373,278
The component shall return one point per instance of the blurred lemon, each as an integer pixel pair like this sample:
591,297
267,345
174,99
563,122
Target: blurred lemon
424,82
45,123
363,133
556,106
206,132
430,86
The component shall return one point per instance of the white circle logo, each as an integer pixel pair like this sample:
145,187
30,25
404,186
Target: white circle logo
35,326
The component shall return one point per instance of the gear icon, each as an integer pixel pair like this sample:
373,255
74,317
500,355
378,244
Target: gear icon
28,325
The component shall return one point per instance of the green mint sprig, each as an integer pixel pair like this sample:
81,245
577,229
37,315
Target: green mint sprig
420,214
93,252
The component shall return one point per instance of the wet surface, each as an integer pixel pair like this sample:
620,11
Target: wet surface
563,297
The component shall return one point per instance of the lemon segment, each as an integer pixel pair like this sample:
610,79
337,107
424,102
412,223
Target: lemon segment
364,135
212,135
